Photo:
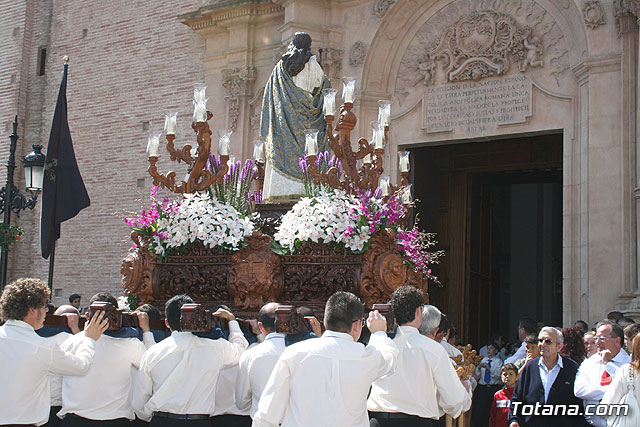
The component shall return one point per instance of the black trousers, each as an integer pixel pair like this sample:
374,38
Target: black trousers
229,420
481,406
391,419
170,422
72,420
54,421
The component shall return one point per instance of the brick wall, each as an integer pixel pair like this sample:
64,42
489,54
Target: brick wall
130,60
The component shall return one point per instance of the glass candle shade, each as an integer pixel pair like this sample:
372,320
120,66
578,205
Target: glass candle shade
379,139
200,112
232,160
310,142
329,106
406,195
384,112
224,143
199,93
153,144
403,161
348,89
170,122
384,186
258,151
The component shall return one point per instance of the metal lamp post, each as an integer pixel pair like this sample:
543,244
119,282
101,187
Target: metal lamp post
11,200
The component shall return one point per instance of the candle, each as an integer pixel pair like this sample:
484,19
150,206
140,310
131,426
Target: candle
367,159
310,142
379,139
200,112
170,121
384,186
384,112
348,88
199,93
406,195
258,151
329,107
403,161
224,143
153,144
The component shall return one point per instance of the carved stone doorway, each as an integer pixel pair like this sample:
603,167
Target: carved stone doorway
497,209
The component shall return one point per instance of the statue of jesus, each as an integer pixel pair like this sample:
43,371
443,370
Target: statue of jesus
292,102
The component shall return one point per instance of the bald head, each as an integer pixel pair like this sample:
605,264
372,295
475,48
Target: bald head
267,318
66,309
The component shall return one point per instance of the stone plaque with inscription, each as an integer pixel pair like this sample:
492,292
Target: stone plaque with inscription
477,107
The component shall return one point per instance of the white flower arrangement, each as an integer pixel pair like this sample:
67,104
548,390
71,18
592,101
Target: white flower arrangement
330,217
199,217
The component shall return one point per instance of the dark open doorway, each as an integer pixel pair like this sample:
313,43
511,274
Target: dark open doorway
497,209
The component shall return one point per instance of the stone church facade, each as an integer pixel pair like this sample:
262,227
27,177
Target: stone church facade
458,72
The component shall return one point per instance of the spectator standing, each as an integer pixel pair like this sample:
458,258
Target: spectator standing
532,351
573,346
630,333
488,374
626,381
581,326
74,300
502,398
590,344
526,326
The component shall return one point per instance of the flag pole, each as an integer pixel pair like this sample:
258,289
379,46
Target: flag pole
52,257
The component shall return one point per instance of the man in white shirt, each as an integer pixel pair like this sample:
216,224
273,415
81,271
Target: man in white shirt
103,393
27,360
527,326
325,381
424,384
597,372
257,363
177,379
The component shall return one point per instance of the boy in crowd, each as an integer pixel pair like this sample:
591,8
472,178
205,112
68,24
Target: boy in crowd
500,406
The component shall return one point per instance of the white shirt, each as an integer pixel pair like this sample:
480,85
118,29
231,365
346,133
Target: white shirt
424,382
55,381
225,399
587,386
26,361
451,350
495,368
179,374
619,388
324,382
255,369
521,353
104,393
548,377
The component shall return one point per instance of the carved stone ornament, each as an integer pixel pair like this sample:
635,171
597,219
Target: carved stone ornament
330,60
358,54
237,82
137,271
380,7
593,14
482,44
384,270
625,9
254,278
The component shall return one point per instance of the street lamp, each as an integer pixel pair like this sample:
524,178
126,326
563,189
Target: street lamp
11,200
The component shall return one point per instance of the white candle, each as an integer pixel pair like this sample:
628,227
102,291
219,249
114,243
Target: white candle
258,151
170,122
224,144
384,186
384,112
348,88
199,93
152,145
406,195
403,160
200,113
379,139
311,142
232,160
329,107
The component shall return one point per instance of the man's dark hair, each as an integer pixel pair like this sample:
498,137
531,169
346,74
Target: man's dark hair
21,295
342,309
626,320
104,297
630,331
267,316
583,323
404,302
298,54
614,315
531,339
495,346
445,325
151,310
172,310
529,325
73,296
616,330
510,367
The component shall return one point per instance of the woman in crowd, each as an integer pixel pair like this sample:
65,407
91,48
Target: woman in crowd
625,389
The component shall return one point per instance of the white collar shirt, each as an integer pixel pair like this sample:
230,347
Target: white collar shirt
548,377
495,369
105,391
325,381
254,370
587,385
26,361
521,353
225,392
55,381
180,373
451,350
423,369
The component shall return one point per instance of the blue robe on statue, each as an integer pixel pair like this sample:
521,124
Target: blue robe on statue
287,111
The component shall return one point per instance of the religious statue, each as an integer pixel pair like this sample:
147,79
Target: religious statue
533,45
292,102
